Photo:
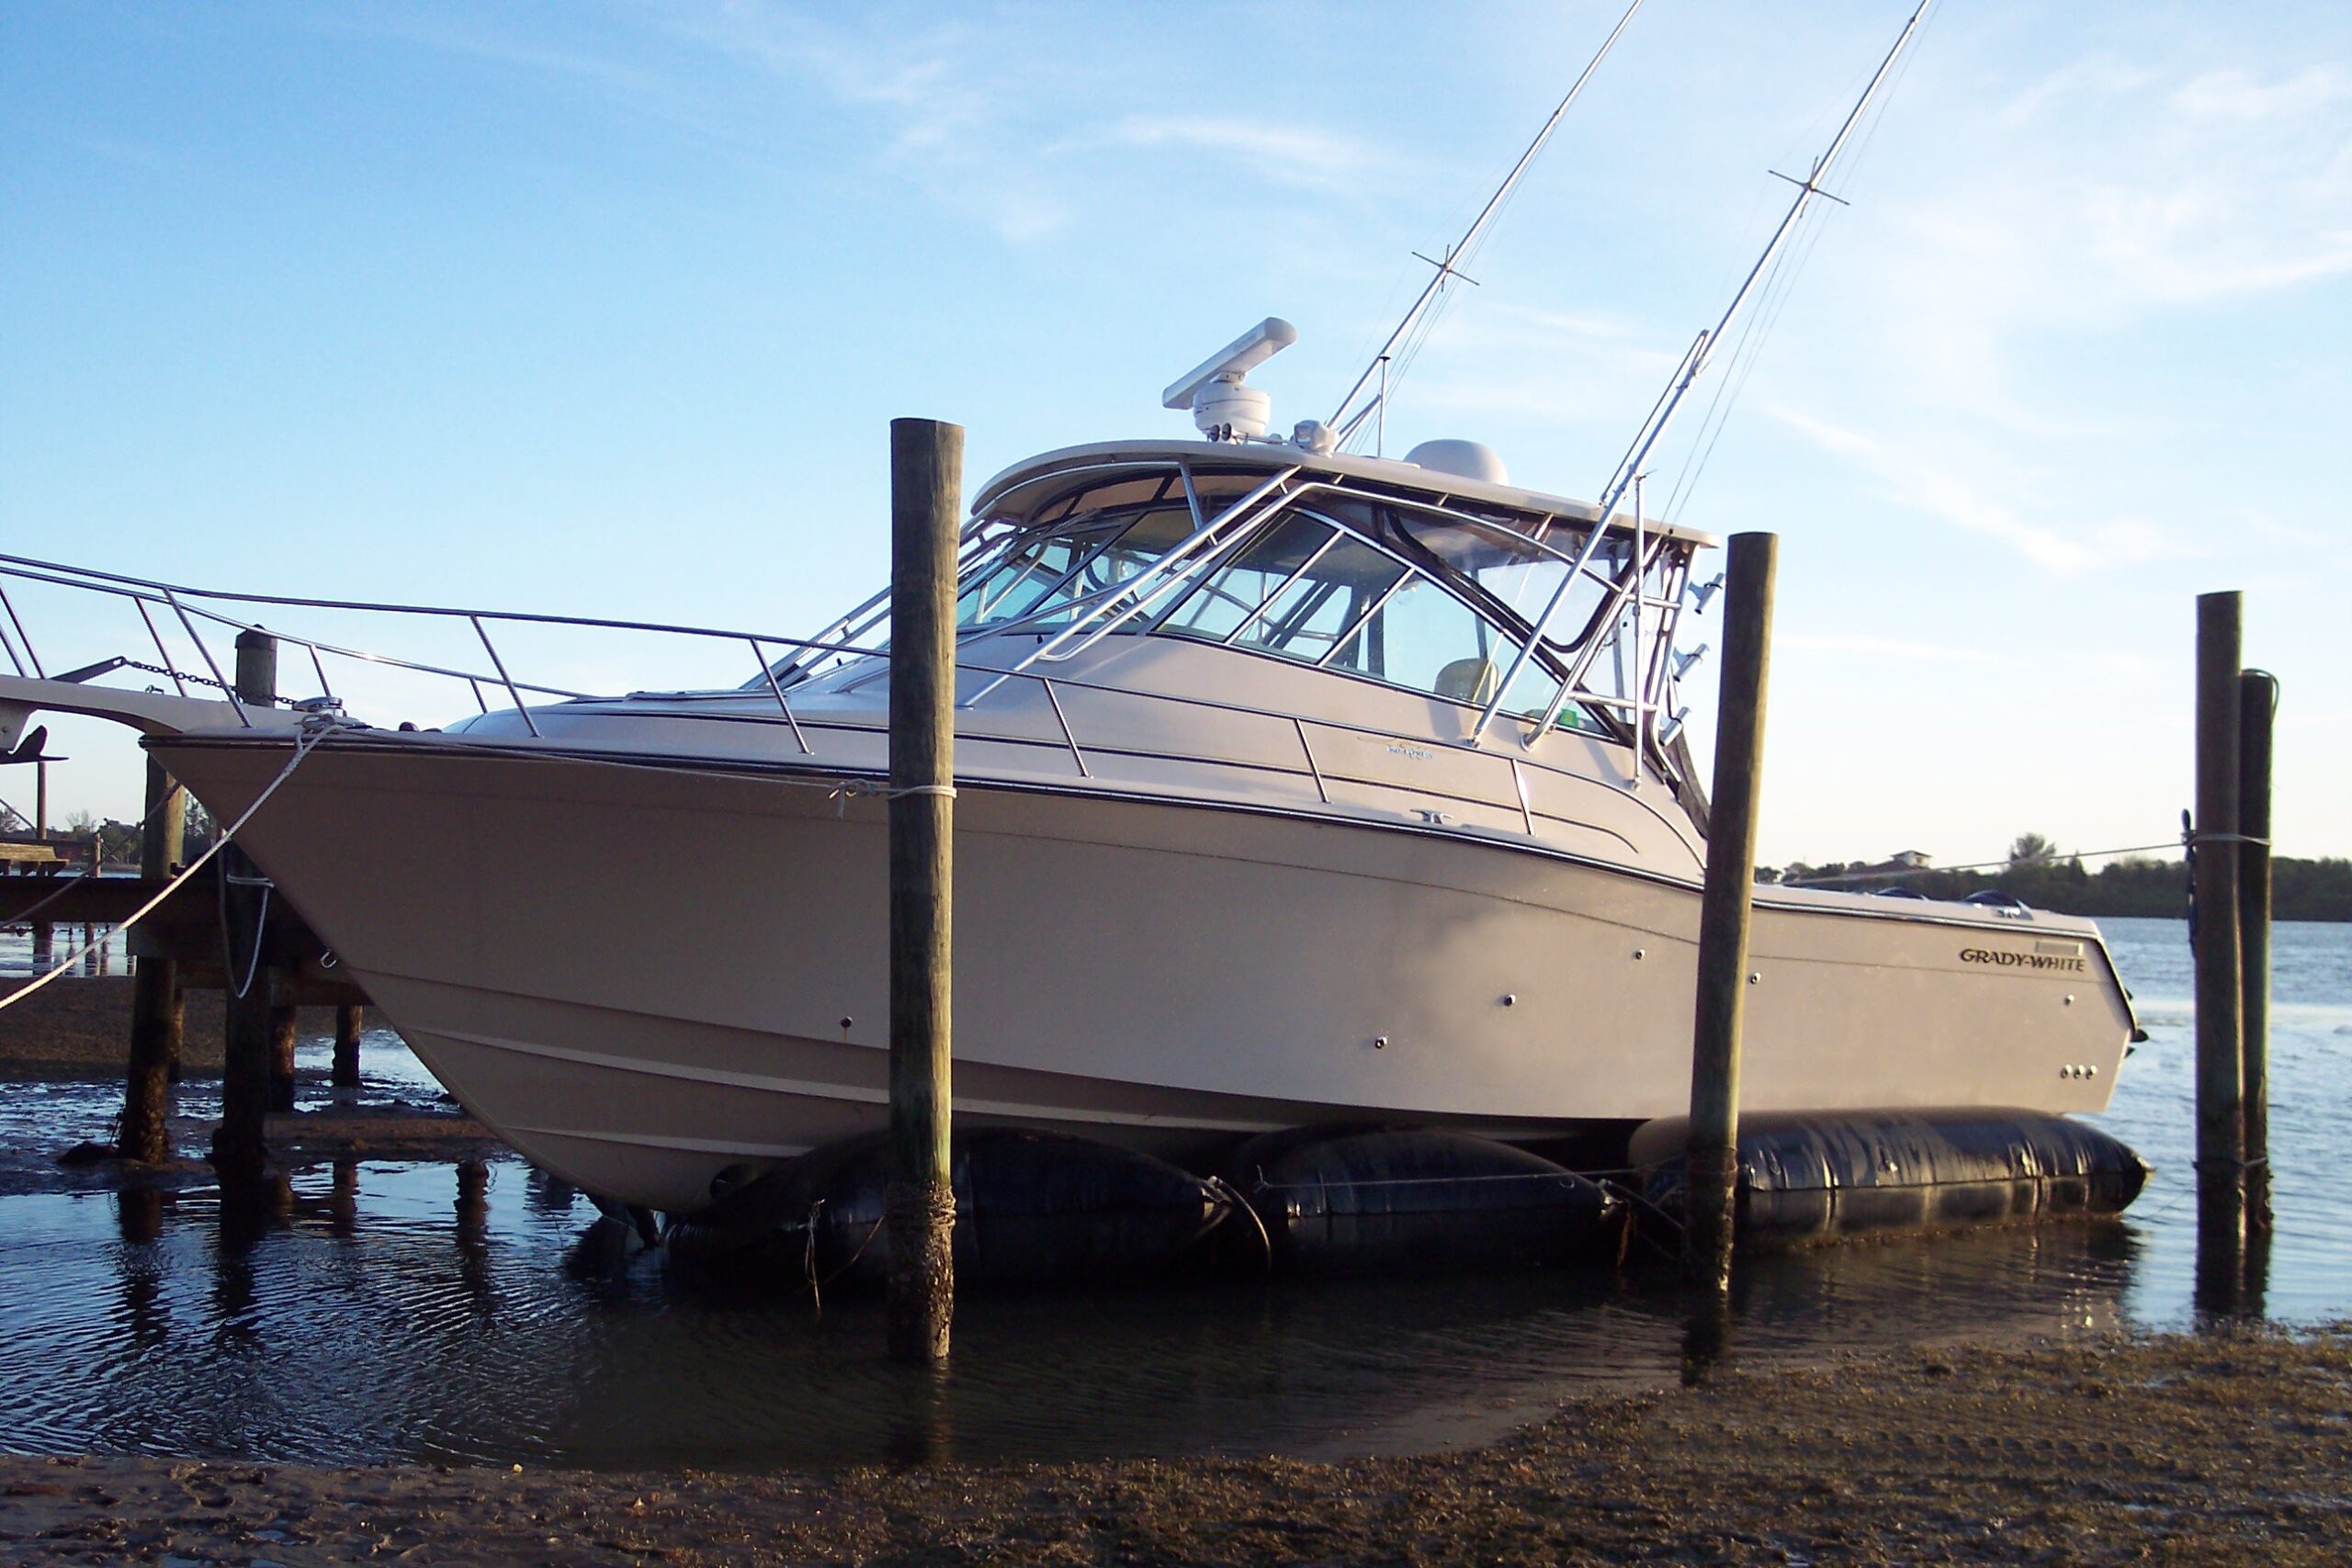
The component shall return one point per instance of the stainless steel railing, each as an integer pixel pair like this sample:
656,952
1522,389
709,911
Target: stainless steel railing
194,608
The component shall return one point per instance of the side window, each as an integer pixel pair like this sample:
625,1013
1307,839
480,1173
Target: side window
1426,639
1232,594
1047,574
1025,574
1344,579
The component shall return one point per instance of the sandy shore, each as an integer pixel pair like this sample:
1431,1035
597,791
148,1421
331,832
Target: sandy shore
2228,1448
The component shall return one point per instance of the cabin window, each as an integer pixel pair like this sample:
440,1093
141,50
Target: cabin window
1040,576
1425,638
1306,618
1311,591
1231,598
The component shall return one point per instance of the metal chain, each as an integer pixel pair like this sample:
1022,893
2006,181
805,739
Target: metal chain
170,674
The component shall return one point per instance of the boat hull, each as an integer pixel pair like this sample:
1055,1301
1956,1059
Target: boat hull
643,974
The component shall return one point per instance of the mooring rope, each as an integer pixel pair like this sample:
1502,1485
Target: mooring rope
1232,1196
302,748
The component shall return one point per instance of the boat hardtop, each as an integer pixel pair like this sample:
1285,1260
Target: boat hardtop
1029,485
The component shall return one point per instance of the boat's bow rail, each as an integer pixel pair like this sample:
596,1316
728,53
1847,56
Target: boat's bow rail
1373,749
185,627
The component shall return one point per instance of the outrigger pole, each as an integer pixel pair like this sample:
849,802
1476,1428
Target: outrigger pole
1446,269
1693,362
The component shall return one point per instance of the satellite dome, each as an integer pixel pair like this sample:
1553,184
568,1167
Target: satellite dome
1465,460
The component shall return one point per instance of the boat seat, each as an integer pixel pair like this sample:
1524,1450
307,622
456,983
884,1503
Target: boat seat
1467,680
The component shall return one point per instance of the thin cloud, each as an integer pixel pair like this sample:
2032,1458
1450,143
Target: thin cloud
2241,95
953,116
1941,492
1289,155
2102,74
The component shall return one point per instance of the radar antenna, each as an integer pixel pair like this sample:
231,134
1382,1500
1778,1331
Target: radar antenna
1347,418
1694,360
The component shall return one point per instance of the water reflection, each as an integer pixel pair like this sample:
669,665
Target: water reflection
342,1200
376,1311
246,1215
370,1311
139,1216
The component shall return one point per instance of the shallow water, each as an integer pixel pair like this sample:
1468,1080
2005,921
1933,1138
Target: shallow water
375,1314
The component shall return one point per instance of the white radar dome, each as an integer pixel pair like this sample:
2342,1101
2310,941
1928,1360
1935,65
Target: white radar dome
1464,459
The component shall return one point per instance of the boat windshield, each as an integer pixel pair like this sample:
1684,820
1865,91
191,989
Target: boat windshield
1407,601
1432,601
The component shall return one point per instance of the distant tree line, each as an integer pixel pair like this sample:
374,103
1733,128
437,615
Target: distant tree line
2037,874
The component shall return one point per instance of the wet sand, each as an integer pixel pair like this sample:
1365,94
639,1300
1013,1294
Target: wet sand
79,1027
2231,1446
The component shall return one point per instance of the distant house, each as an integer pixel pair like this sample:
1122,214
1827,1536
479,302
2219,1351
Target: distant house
1910,860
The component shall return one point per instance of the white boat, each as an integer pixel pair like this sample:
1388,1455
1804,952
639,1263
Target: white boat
1293,786
1232,853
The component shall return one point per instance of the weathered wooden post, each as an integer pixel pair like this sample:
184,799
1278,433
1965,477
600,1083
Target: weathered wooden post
2258,703
239,1150
348,1025
926,490
2221,1063
284,1025
43,933
1712,1159
158,1009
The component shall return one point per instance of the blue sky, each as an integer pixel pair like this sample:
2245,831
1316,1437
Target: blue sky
605,308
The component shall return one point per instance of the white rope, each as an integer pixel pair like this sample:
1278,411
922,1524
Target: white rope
301,749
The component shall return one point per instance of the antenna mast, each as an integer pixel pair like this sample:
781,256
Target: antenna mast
1345,423
1688,372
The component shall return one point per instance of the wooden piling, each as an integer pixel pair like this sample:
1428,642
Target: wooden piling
2257,702
240,1151
926,490
256,669
43,931
284,1025
1713,1158
2220,989
349,1020
158,1008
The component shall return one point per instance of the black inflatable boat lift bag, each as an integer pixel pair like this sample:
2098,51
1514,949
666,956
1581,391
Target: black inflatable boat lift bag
1394,1199
1815,1176
1031,1208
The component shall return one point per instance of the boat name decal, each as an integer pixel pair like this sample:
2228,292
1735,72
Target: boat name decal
2022,960
1398,749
